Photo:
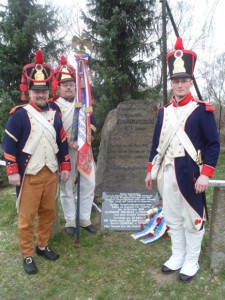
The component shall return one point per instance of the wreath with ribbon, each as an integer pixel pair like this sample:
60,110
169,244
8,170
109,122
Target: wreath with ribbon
153,227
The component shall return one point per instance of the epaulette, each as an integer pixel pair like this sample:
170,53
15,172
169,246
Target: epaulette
159,108
208,107
14,109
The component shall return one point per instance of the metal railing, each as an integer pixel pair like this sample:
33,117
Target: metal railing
2,163
217,183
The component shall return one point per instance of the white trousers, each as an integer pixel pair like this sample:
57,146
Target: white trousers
68,196
186,240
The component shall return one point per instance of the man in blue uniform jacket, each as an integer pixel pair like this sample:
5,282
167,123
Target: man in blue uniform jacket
35,147
186,144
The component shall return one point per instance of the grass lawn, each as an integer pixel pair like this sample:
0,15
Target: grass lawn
107,266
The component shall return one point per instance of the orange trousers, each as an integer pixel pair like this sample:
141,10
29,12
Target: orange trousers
38,197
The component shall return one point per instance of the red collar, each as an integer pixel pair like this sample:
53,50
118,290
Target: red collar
36,107
183,101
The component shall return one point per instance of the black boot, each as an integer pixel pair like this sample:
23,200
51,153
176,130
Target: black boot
90,228
70,230
29,265
47,253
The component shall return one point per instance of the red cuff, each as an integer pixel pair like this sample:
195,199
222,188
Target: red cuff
65,166
208,171
11,169
149,167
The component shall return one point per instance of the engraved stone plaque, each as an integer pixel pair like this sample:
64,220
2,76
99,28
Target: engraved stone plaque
126,211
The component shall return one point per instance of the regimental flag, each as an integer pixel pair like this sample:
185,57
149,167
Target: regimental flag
83,111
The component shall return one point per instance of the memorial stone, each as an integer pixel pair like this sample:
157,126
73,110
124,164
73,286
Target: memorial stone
124,149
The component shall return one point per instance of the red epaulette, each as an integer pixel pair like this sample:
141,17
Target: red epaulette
208,107
14,109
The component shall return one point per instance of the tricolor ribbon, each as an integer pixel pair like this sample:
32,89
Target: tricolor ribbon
81,127
83,91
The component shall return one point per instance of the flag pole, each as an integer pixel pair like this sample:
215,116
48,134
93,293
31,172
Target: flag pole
78,209
78,106
75,130
82,112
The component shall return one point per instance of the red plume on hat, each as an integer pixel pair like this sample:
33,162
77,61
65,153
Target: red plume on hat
39,57
179,44
63,60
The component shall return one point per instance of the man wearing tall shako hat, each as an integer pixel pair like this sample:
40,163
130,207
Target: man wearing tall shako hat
64,79
35,145
186,141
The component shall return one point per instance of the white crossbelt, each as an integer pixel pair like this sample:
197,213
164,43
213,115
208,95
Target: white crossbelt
41,119
176,126
50,132
181,134
66,118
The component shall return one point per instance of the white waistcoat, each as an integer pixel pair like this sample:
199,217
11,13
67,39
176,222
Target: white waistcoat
41,145
175,149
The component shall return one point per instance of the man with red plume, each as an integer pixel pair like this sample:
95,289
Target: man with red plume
186,145
64,84
35,145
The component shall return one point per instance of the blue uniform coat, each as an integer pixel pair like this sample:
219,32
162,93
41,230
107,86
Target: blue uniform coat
17,133
201,129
